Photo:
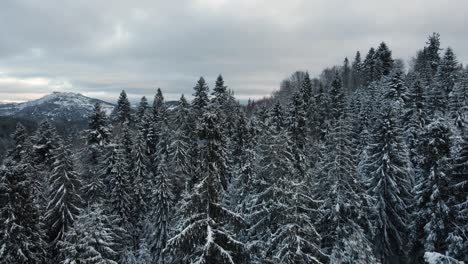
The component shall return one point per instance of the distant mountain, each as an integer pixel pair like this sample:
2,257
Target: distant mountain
69,110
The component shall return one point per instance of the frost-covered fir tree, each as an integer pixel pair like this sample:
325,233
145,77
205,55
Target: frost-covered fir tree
142,109
356,71
200,100
433,218
457,238
202,236
119,184
161,212
64,200
91,240
99,131
281,230
158,112
337,99
389,182
123,108
179,148
344,221
141,183
21,237
298,133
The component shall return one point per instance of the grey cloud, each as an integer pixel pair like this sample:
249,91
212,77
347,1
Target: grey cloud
100,47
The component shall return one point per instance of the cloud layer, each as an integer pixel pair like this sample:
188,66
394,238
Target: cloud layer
100,47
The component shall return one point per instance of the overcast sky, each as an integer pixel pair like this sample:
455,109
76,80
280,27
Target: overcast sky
99,47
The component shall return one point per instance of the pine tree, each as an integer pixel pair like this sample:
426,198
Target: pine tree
123,108
432,192
21,147
344,219
337,99
458,188
200,100
21,238
157,115
369,67
298,133
346,75
201,236
142,108
220,93
282,230
118,179
91,240
356,71
384,61
162,199
99,131
388,170
64,199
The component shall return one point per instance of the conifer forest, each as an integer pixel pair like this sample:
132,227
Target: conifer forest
365,163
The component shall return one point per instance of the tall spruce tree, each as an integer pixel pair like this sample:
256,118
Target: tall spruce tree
123,108
64,200
202,237
388,170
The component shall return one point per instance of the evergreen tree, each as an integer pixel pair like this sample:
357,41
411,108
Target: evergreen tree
369,67
346,75
433,217
458,188
297,133
123,108
388,170
162,199
200,100
337,99
282,230
99,131
384,61
220,93
344,219
64,199
201,236
356,71
21,238
142,108
91,240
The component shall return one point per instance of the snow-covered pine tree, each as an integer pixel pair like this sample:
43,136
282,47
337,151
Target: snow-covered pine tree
22,145
123,108
201,237
356,71
21,237
179,148
140,184
457,239
279,212
337,99
344,215
297,131
458,106
157,112
98,136
384,61
142,108
200,98
64,199
91,240
119,199
390,181
369,71
433,218
162,198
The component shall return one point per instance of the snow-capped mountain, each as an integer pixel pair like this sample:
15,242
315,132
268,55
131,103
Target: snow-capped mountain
58,107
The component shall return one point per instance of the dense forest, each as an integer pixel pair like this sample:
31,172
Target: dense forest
367,163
